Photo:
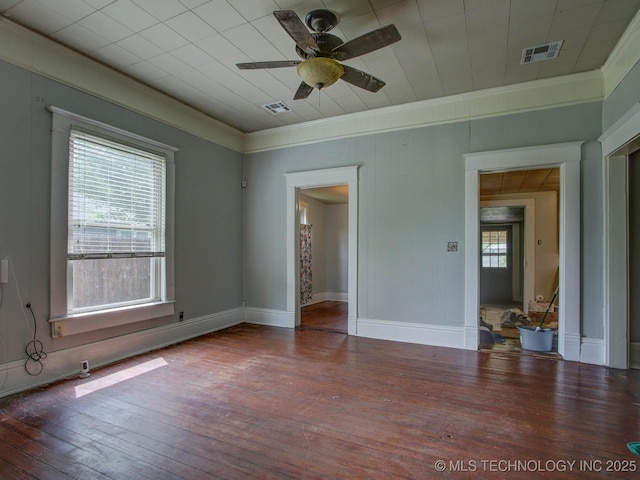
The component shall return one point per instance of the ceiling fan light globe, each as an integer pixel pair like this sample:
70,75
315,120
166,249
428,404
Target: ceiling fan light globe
320,71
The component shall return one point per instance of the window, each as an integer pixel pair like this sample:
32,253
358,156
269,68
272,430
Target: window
304,208
111,226
494,249
116,230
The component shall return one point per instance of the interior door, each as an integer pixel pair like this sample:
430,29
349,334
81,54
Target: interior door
496,268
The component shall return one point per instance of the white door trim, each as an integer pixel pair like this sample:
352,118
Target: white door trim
615,271
567,157
313,179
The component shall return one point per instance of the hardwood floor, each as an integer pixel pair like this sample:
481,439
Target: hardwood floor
271,403
327,315
492,314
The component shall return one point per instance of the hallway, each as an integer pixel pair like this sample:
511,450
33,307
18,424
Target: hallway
327,315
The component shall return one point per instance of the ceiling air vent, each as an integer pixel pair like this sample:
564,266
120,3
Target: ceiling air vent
277,107
540,52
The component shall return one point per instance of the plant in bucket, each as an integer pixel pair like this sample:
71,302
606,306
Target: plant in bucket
537,338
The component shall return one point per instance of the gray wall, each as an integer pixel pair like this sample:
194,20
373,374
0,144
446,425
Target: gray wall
315,216
329,245
208,209
411,203
622,98
337,248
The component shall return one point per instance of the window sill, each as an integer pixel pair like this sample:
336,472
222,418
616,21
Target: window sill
91,321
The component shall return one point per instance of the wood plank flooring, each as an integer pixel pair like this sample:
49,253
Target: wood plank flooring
271,403
327,315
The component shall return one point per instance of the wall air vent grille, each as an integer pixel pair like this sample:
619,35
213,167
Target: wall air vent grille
539,53
277,107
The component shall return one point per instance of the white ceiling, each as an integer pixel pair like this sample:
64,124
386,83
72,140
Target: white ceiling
334,195
189,48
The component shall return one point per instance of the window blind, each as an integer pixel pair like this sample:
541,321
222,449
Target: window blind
116,200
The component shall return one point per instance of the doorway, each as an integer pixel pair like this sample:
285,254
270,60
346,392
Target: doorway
511,246
324,241
566,157
622,261
619,143
316,179
498,259
500,280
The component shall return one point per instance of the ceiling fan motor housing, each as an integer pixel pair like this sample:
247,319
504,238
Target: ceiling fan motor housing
326,43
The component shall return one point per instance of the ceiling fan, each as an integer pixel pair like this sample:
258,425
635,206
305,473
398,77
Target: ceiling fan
321,51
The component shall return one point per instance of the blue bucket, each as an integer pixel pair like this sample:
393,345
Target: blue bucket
537,341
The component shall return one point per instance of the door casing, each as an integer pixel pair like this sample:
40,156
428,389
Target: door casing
567,157
616,143
313,179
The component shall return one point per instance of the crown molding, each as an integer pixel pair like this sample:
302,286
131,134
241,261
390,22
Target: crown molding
623,58
539,94
36,53
25,48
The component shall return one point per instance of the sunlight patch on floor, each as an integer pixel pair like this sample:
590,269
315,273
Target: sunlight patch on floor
126,374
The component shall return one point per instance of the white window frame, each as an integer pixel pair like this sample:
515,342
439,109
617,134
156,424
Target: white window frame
63,322
304,213
493,255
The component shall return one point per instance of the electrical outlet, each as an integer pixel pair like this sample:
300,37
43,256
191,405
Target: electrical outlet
56,329
181,317
84,369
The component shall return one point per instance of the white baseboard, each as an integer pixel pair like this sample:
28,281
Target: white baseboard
316,298
471,337
436,335
634,355
381,329
592,351
573,346
65,363
337,297
272,318
328,296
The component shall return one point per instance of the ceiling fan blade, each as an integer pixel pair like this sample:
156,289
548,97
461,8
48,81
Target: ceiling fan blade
273,64
361,79
366,43
297,30
304,91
